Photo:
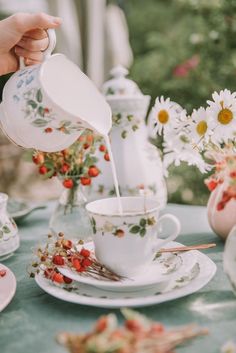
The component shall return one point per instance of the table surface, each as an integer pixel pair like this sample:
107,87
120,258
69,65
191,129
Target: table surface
30,322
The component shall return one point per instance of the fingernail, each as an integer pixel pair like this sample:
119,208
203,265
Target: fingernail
56,20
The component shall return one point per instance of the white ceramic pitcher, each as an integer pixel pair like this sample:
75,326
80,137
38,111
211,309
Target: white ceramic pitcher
45,106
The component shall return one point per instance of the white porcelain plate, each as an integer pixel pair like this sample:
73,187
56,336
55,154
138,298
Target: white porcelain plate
187,283
166,267
7,287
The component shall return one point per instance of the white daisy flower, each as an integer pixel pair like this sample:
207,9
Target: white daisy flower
164,114
223,112
200,127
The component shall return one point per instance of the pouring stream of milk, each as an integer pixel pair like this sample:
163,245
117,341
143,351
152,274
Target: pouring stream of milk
114,173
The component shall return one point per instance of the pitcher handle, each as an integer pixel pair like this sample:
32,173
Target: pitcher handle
160,241
47,52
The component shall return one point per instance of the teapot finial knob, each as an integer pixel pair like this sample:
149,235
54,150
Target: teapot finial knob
119,71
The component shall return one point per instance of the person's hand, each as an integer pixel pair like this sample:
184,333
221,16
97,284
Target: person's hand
24,34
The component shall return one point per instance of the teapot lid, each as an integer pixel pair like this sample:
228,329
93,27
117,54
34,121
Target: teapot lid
119,85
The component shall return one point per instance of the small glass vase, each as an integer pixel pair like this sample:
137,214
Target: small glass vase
70,216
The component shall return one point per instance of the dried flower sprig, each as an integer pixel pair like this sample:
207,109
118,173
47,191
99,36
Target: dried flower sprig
59,251
137,335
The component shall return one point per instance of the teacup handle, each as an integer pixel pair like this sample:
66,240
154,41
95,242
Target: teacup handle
172,236
47,52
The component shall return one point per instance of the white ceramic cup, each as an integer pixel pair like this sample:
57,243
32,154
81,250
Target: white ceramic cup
46,106
127,243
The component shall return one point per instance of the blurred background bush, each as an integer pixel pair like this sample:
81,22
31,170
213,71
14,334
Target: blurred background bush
183,49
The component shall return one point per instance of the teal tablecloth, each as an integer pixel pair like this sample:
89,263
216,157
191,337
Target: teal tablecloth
31,320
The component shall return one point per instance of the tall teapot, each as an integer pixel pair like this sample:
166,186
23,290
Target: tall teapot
138,163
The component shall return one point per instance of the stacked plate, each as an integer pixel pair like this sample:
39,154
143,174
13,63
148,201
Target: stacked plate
170,276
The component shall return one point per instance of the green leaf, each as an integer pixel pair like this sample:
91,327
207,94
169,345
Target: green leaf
124,134
39,96
135,127
142,232
1,233
135,229
6,229
32,103
130,117
41,110
65,123
142,222
40,123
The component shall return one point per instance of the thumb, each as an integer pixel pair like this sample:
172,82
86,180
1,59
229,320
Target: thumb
23,22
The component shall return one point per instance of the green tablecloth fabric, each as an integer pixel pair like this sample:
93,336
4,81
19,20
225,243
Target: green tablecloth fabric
29,323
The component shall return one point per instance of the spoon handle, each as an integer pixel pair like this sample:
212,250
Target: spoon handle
187,248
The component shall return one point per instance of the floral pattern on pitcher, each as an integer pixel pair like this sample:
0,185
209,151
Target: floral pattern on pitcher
42,117
128,123
120,230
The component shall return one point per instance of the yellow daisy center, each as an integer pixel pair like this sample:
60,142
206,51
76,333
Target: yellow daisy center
163,116
201,127
225,116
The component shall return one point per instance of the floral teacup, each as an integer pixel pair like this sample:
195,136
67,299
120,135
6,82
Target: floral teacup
127,243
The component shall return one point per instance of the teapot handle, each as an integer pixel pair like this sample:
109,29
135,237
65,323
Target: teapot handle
47,52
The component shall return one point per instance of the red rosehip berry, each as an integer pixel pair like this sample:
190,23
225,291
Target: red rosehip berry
102,148
46,110
212,184
67,280
48,130
85,181
82,269
233,174
85,252
67,244
57,277
90,139
93,171
106,157
86,263
43,170
86,146
101,324
119,233
68,183
133,325
157,328
48,272
38,158
58,260
3,273
65,168
76,264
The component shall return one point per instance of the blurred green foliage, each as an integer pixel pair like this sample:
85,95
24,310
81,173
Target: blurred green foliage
185,50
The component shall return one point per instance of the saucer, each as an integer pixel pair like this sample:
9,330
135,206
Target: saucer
19,209
7,287
190,281
166,267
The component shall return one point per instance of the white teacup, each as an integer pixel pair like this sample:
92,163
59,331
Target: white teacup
127,243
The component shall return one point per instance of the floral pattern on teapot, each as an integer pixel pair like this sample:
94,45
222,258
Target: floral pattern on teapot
120,230
128,123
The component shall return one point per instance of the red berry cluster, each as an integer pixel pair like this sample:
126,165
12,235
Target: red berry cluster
103,149
75,164
63,252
